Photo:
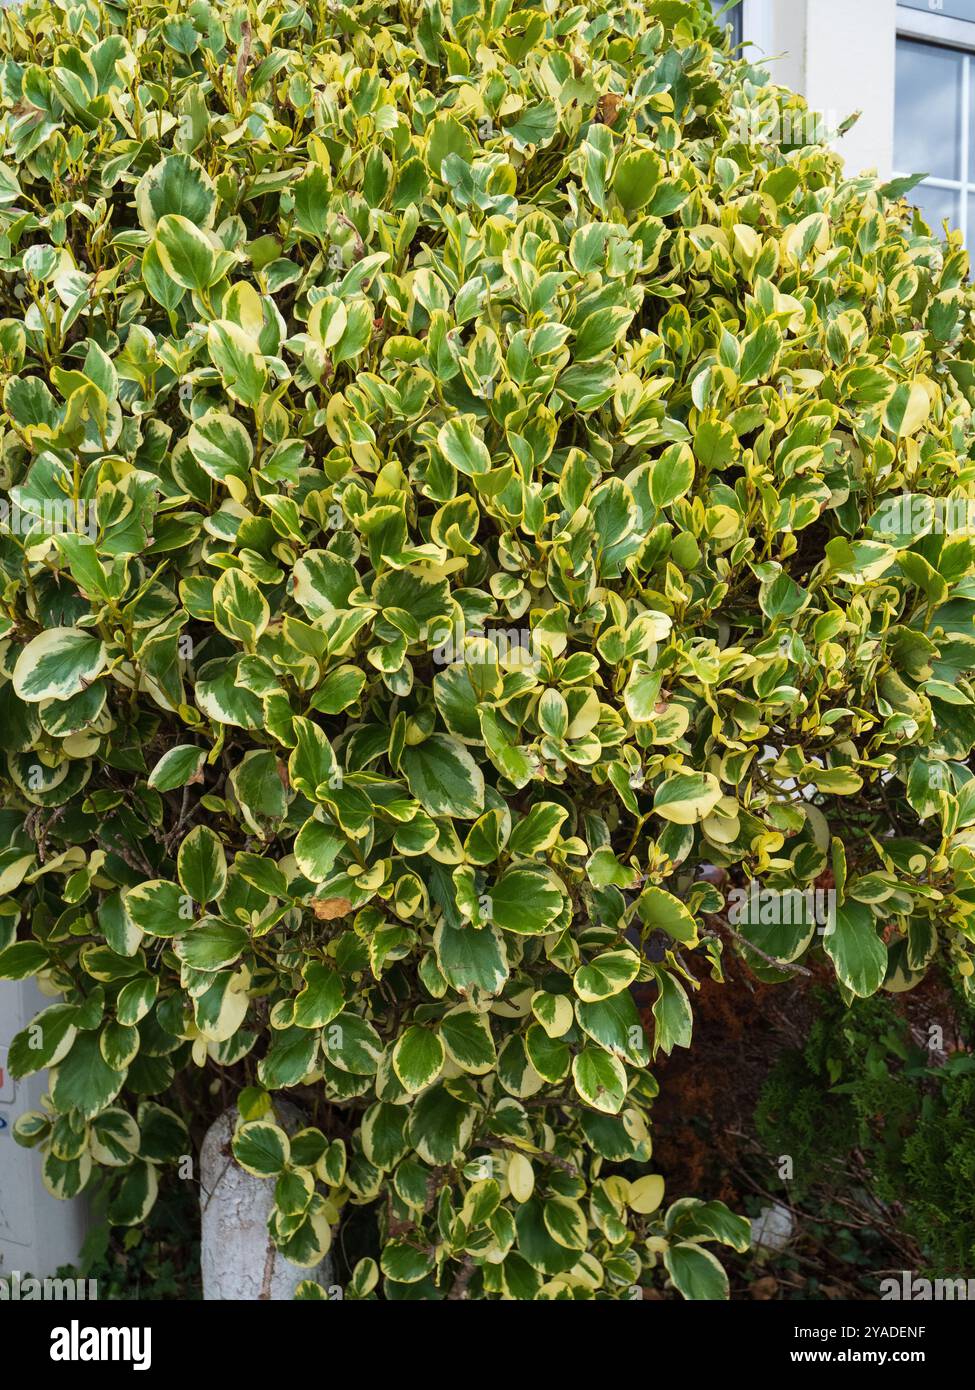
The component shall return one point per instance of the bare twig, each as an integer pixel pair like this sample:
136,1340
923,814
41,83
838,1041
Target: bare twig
787,965
562,1163
360,245
459,1288
243,57
265,1295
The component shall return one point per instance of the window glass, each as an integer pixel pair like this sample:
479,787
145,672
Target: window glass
934,130
936,204
928,122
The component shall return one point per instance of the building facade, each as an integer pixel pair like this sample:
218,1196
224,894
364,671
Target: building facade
907,65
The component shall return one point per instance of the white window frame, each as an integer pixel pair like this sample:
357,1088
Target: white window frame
936,28
756,24
945,32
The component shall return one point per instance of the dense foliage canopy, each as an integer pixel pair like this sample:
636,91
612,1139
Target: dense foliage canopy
465,473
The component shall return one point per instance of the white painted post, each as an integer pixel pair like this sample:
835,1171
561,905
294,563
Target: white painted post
851,54
238,1258
38,1233
841,55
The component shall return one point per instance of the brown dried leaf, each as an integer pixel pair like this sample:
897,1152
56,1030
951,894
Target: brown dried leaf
327,909
608,107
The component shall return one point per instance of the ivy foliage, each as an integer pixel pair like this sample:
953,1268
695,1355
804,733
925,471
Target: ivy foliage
504,479
861,1084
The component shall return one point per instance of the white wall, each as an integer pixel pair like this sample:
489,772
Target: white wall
840,54
38,1233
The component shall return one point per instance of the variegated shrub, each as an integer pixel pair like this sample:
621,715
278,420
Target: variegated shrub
463,474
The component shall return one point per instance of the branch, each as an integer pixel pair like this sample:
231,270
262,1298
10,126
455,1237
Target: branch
459,1287
515,1148
243,57
769,960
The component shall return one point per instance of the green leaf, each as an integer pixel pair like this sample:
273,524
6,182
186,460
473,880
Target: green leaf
58,664
163,290
158,908
177,185
10,189
240,610
114,1138
536,1245
444,778
136,999
691,1219
221,446
672,1014
566,1223
322,998
600,331
262,1148
553,1011
384,1140
642,692
26,958
635,178
28,402
466,1035
687,797
262,874
316,849
352,1044
307,1244
471,958
357,332
311,195
760,352
135,1196
608,974
671,475
418,1058
47,1039
212,944
404,1263
600,1079
202,864
177,767
119,1043
535,126
313,767
83,1083
258,786
548,1055
237,358
340,689
289,1058
661,911
908,409
852,943
526,901
185,253
782,598
696,1273
327,321
461,446
538,830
